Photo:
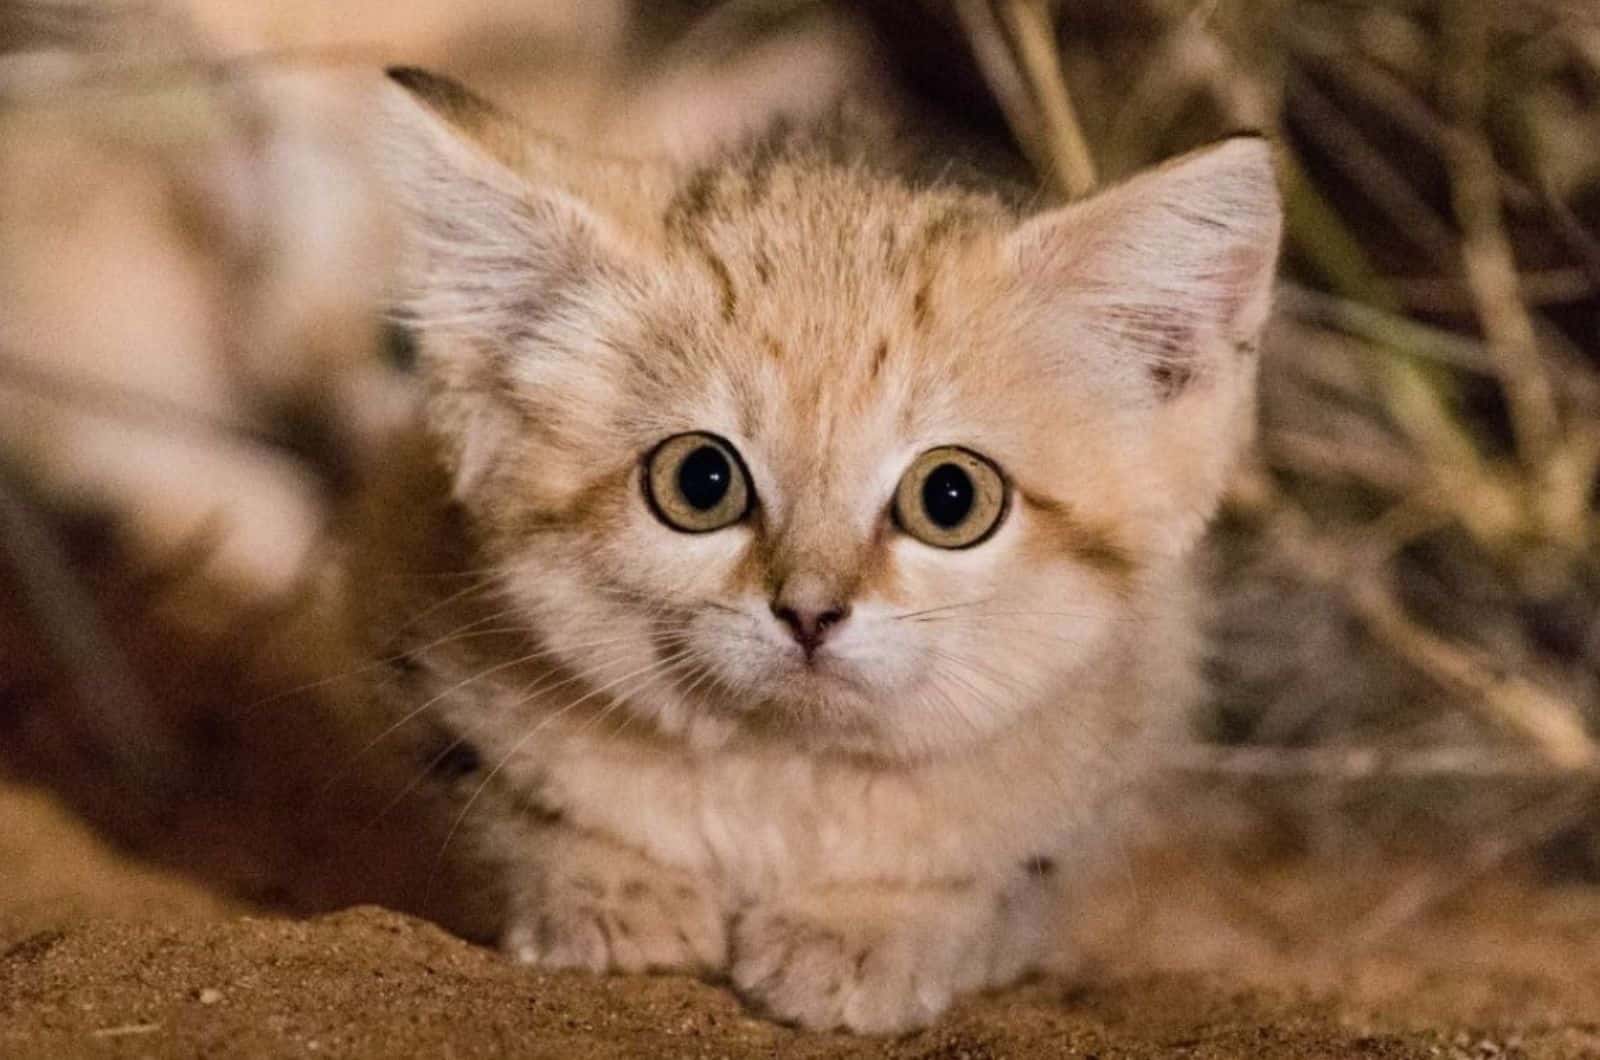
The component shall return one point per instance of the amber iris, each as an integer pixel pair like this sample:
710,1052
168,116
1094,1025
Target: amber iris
696,483
951,497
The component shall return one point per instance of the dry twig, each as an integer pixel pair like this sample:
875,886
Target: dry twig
1014,44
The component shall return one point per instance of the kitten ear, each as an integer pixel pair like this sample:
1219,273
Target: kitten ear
489,251
470,115
485,239
1160,287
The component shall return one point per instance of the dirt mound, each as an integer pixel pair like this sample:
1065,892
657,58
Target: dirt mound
373,983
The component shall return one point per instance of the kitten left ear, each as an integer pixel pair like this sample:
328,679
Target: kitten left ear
489,248
482,229
474,117
1160,288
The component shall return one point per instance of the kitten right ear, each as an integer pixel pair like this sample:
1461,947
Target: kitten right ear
1162,285
487,252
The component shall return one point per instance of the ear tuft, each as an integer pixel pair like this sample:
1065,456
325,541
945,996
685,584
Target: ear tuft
490,129
450,100
427,86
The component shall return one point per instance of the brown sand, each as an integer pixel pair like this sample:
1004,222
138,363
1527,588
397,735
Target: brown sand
100,956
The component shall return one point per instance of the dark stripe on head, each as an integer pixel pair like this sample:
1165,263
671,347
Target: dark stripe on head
686,218
937,231
921,305
693,202
724,278
586,505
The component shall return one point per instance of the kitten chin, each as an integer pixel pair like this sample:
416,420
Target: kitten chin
830,531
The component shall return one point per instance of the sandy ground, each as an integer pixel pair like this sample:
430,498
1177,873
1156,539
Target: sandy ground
102,956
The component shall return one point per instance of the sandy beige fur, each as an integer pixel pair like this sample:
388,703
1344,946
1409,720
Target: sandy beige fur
670,781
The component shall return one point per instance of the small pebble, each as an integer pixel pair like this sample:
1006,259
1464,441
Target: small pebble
209,996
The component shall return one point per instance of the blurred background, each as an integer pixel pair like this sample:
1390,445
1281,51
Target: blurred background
194,370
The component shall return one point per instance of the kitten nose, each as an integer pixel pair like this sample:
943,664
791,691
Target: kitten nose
809,609
810,627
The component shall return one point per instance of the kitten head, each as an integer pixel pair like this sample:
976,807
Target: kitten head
785,446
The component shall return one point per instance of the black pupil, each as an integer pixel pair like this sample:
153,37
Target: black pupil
704,478
947,495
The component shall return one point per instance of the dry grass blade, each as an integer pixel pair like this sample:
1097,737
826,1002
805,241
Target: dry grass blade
1344,765
1547,722
1353,151
1539,287
1410,901
1033,37
1378,326
1014,43
1486,249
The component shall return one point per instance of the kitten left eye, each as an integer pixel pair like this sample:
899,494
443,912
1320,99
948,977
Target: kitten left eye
950,498
696,483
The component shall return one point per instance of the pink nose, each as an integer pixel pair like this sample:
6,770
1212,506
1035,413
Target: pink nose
809,626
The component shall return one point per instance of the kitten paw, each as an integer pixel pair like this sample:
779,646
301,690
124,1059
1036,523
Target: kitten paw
821,976
885,960
603,909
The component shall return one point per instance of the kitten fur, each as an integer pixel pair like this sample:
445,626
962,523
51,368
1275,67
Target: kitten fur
668,780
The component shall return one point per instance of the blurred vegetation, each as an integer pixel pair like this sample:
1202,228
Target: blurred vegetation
1409,574
1430,442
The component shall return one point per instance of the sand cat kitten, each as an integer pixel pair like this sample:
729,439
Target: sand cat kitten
834,527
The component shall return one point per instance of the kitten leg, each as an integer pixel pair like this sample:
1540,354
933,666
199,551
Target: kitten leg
880,959
581,901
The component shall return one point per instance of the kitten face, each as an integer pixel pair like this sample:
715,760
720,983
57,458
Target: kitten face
791,449
814,612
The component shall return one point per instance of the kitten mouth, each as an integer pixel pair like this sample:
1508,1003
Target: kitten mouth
809,672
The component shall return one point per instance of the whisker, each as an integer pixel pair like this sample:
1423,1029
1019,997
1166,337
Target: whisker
516,747
445,752
464,682
461,633
665,664
528,693
909,615
483,585
975,616
525,694
427,769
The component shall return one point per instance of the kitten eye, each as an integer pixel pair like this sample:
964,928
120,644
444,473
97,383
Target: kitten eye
950,498
696,483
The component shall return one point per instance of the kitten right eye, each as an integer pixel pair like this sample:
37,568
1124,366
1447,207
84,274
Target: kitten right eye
696,483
